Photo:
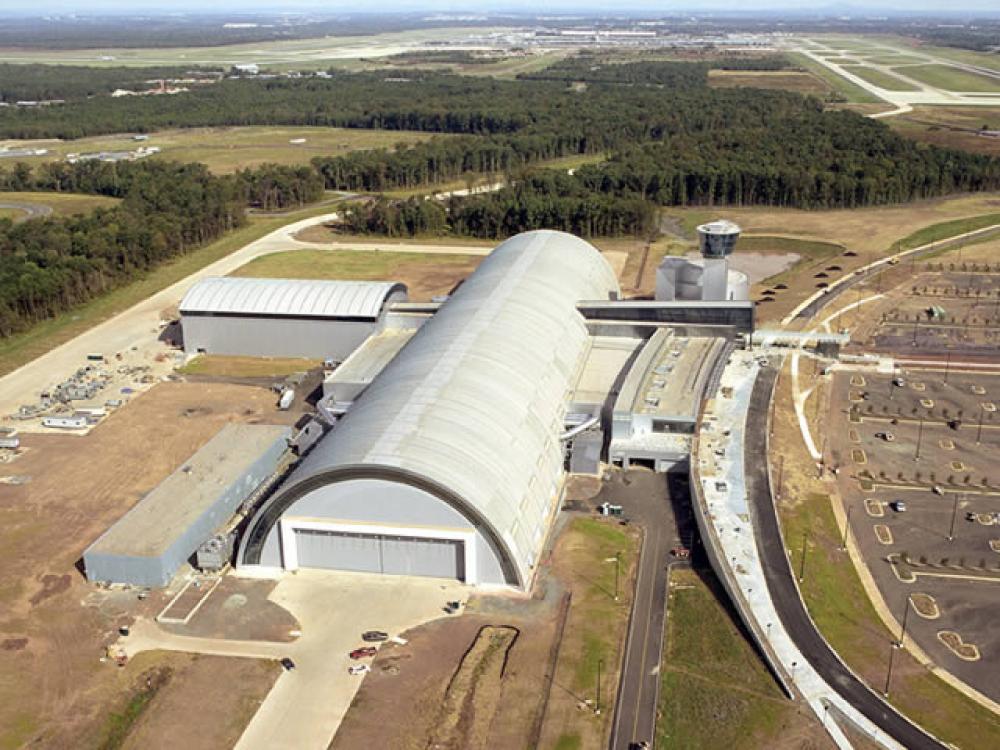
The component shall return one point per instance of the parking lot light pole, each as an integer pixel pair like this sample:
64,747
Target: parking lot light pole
920,435
597,699
847,527
802,564
979,432
902,632
888,676
954,515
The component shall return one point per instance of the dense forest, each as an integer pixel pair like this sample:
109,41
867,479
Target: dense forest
69,82
50,264
662,135
545,199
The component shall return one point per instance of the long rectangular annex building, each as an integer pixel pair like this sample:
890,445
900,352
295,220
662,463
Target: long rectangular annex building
149,544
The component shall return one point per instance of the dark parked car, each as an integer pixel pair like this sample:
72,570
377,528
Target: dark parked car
374,636
288,664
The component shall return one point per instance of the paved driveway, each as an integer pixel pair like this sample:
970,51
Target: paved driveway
305,706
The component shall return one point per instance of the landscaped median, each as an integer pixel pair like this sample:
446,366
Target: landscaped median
838,602
594,633
716,691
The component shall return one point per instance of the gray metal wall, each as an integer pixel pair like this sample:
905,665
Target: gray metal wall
378,501
157,571
380,553
274,337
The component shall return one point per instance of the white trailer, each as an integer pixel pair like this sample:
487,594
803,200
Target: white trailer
67,423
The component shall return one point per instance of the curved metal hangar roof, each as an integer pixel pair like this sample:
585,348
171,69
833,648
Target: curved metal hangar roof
472,408
228,295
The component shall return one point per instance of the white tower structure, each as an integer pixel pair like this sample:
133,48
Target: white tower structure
708,279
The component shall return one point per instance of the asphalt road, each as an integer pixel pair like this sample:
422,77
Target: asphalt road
33,210
784,592
648,500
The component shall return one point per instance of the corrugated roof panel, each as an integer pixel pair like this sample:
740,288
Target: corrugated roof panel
223,295
477,398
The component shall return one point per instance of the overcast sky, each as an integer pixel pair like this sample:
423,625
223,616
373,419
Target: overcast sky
530,6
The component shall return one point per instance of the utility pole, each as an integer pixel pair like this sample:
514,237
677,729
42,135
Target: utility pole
920,435
947,367
618,569
888,676
847,527
979,432
906,614
802,564
954,515
597,700
781,473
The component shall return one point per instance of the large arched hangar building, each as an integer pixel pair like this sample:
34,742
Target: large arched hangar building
450,463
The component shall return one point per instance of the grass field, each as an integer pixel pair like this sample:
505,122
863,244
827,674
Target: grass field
715,691
425,275
951,127
947,229
24,347
245,367
595,630
61,204
952,79
839,604
225,150
848,90
799,82
880,79
893,59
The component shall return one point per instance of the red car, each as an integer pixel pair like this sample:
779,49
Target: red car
363,653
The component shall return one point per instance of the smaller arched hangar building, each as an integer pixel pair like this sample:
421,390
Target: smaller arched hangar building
450,462
284,317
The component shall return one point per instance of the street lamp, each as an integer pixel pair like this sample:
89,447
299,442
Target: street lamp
954,515
617,560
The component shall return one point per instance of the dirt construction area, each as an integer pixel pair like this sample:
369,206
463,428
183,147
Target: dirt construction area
510,672
59,495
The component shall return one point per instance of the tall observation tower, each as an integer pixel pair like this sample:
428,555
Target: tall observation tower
707,279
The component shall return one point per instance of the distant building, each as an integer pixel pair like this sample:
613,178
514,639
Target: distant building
249,69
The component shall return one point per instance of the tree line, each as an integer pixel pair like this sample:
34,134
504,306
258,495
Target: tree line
48,265
29,82
541,200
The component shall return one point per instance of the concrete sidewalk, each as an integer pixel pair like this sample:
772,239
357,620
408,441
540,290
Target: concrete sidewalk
306,705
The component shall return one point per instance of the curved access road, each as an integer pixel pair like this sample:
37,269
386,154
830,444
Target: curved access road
785,593
31,210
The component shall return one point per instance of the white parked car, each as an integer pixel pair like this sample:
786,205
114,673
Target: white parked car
358,669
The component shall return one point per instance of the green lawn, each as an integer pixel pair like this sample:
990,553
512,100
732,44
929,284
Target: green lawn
246,367
715,691
841,609
62,204
946,229
851,92
880,79
357,265
226,149
952,79
24,347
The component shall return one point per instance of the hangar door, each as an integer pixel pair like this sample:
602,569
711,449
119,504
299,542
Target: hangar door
381,553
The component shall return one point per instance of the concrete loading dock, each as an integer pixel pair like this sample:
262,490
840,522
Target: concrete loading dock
152,541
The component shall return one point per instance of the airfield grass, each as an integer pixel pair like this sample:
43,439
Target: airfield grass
62,204
879,78
227,149
714,689
347,265
893,59
14,214
950,54
951,127
952,79
800,82
23,347
946,229
848,90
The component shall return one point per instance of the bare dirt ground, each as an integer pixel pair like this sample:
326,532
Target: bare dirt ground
52,686
197,707
401,703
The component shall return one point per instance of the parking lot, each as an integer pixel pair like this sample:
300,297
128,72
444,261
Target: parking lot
916,463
